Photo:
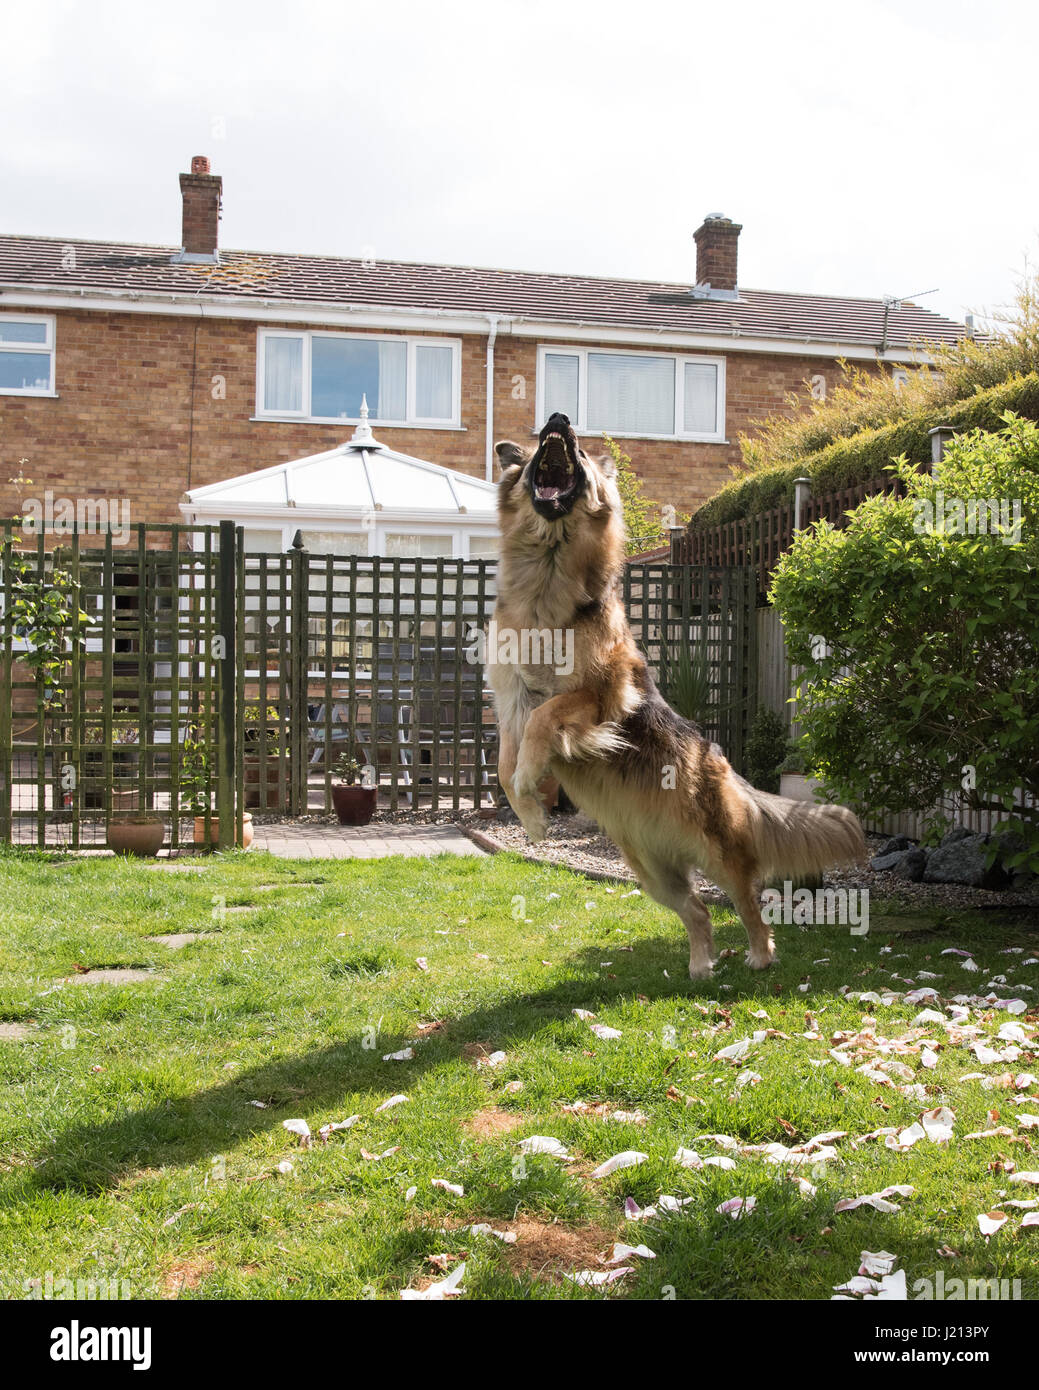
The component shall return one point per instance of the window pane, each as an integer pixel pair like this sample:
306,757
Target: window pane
336,542
631,395
19,332
407,545
484,547
25,371
561,384
262,540
283,374
433,394
345,369
701,398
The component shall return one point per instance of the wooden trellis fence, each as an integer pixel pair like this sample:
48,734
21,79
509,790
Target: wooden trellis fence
213,680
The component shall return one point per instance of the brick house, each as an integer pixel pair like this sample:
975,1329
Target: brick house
141,372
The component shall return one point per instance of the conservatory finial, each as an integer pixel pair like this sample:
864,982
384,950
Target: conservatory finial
363,433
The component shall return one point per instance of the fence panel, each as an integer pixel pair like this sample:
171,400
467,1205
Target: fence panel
134,726
709,612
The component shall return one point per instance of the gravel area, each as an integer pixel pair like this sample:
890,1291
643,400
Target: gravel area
575,842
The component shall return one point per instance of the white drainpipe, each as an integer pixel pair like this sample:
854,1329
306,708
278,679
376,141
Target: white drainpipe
492,334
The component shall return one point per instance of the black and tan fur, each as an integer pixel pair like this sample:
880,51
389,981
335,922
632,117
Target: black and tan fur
604,731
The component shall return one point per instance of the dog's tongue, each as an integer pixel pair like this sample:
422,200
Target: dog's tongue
548,492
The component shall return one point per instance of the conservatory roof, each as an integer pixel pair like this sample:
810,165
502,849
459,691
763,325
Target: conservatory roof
356,478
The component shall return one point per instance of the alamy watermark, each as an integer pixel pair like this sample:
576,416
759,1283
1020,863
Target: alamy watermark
968,516
63,516
527,646
806,907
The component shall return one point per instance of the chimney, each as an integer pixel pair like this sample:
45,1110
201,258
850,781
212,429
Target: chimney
200,191
716,252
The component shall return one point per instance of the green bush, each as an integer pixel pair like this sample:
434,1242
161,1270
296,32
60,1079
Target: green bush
846,462
929,684
767,745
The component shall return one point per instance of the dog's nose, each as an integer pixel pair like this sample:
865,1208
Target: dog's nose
557,418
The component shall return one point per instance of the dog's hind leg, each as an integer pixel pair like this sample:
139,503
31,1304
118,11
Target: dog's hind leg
740,888
670,886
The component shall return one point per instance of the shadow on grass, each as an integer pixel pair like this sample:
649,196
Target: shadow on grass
94,1156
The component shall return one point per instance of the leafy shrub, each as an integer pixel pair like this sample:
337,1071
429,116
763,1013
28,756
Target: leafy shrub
930,681
766,747
846,462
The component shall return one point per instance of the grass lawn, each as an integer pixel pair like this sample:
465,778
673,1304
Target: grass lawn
131,1148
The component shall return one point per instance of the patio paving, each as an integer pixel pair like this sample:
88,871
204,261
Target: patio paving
360,842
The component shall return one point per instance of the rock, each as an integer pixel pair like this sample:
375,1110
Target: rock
892,846
912,866
883,862
953,836
963,861
1021,881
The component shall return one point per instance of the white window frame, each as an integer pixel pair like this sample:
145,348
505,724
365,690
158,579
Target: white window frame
717,436
48,349
412,419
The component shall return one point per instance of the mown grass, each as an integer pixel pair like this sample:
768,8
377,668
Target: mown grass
129,1149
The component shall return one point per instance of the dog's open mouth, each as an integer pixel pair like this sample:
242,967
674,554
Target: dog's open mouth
556,474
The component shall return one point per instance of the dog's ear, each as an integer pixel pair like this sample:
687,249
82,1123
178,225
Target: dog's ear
509,454
606,465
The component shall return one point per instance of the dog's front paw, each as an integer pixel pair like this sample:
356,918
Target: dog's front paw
533,818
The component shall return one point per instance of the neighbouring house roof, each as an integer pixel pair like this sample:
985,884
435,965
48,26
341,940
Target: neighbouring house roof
44,264
358,478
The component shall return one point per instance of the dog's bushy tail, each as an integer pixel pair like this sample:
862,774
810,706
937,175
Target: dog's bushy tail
795,839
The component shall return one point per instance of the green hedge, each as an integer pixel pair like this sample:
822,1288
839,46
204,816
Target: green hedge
846,462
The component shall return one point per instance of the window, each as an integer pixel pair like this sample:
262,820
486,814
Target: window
655,395
325,376
484,547
336,542
26,355
411,545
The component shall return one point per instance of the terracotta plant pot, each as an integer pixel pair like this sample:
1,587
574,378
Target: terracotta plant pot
199,834
141,836
354,805
259,795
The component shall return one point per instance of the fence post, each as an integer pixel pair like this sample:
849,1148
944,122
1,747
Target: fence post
940,436
802,492
299,644
226,605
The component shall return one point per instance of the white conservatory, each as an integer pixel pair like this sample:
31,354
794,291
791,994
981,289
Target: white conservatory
361,498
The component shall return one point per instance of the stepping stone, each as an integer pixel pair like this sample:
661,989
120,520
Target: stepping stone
175,940
101,976
15,1032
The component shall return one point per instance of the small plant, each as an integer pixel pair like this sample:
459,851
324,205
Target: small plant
794,763
268,732
685,683
45,614
349,771
194,774
767,746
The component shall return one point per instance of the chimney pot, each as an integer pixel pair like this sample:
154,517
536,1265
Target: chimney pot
200,192
717,240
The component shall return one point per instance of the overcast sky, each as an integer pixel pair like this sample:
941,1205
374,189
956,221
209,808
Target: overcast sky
867,148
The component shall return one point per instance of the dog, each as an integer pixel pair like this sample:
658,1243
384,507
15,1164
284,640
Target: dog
597,723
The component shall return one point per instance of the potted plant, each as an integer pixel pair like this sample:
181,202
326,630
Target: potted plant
138,833
194,786
355,794
794,783
259,762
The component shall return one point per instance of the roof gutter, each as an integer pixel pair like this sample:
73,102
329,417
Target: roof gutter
453,321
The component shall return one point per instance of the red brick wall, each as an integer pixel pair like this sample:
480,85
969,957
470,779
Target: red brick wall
127,422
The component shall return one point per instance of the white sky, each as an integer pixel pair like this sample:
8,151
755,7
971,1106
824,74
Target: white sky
867,148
